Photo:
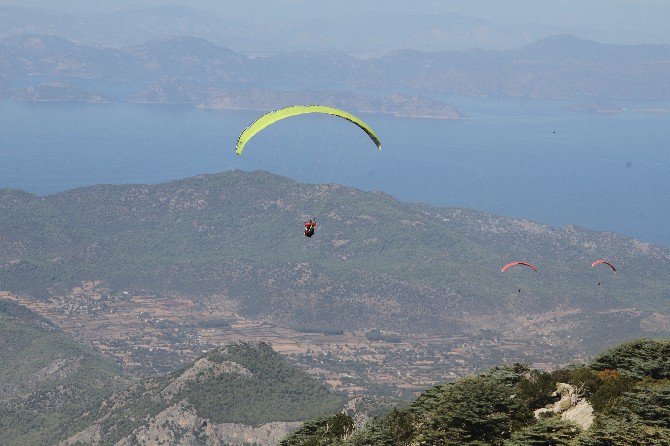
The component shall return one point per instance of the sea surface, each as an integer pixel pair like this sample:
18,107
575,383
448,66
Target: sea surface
531,159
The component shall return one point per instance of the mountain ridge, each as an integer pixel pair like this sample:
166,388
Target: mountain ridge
154,274
338,29
619,399
55,390
231,233
561,67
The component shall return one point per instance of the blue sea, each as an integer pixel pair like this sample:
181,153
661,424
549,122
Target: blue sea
531,159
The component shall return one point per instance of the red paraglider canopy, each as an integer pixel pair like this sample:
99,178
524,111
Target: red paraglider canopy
511,264
604,262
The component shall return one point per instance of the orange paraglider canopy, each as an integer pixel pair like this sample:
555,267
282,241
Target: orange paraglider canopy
511,264
604,262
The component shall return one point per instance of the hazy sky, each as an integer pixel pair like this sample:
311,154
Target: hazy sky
262,27
644,16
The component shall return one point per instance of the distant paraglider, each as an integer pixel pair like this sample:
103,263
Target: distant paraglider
603,262
511,264
277,115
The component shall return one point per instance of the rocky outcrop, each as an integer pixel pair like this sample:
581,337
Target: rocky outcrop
237,434
201,370
202,404
180,425
580,414
570,406
90,435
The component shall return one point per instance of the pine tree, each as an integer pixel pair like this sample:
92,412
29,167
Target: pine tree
546,432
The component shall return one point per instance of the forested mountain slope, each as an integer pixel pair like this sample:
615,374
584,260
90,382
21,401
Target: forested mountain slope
374,260
55,389
622,398
237,394
50,383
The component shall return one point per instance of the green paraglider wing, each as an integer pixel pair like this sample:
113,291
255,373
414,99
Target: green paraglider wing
277,115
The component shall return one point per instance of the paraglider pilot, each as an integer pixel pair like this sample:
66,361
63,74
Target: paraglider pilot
309,227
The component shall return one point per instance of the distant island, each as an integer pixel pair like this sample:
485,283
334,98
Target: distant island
194,71
255,99
608,108
595,107
652,110
263,99
57,92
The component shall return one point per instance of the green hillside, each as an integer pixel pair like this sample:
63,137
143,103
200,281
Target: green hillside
248,384
54,388
51,384
374,260
621,399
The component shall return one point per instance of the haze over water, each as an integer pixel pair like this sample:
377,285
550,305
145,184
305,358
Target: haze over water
605,172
